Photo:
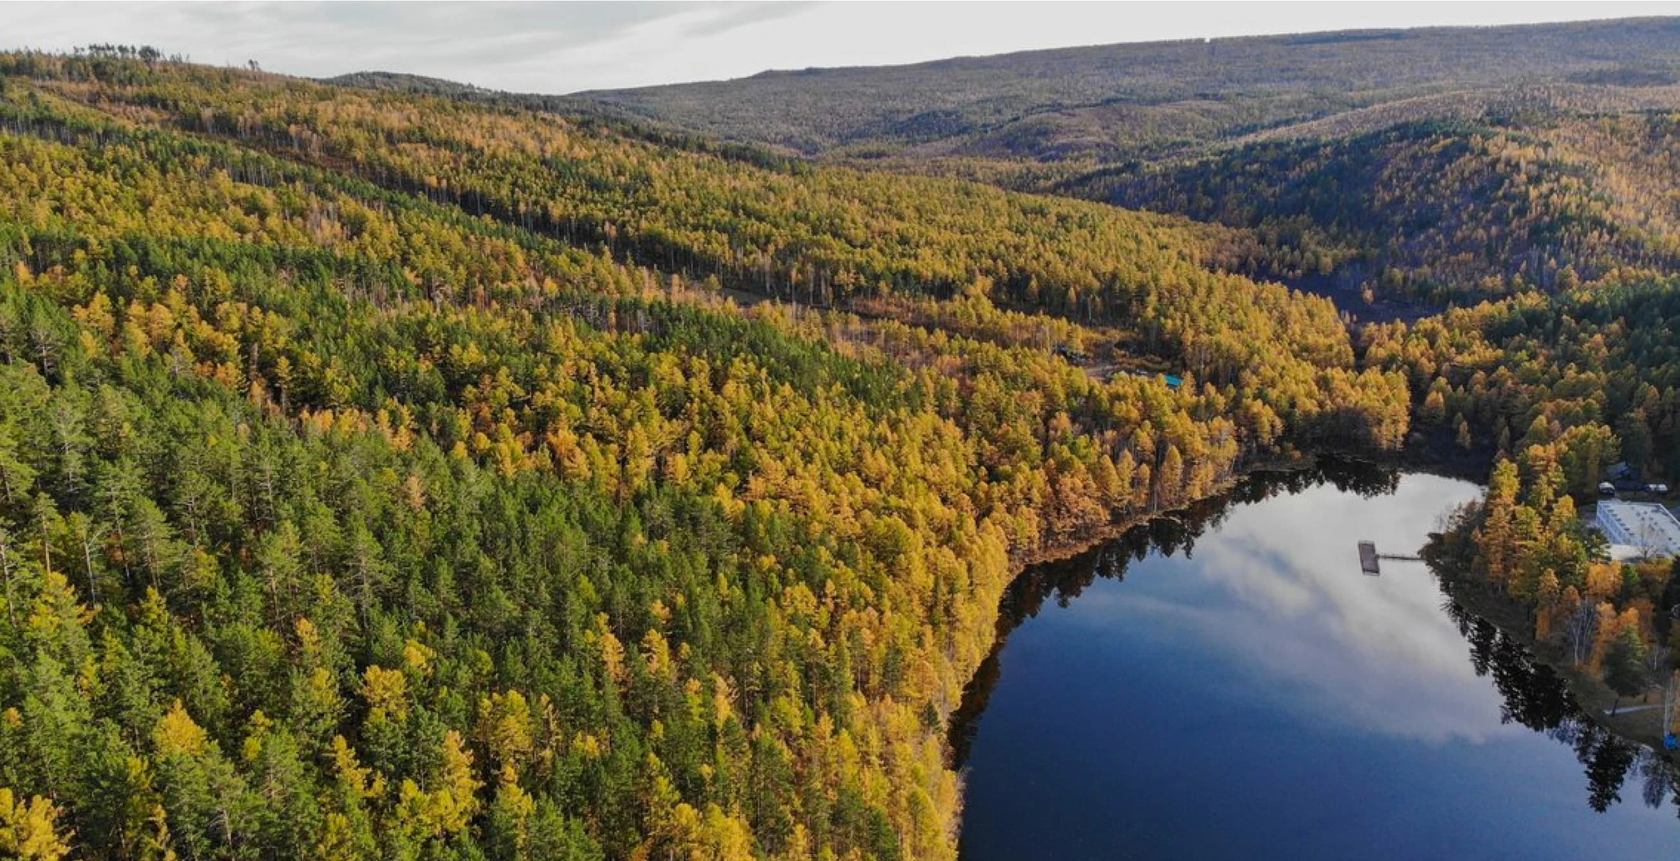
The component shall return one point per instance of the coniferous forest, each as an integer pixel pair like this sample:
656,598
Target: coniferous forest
422,475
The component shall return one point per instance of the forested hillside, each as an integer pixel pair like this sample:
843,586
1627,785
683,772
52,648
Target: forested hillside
385,476
1597,361
1425,167
1444,212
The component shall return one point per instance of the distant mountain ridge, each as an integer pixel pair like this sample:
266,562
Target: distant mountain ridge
405,82
1128,100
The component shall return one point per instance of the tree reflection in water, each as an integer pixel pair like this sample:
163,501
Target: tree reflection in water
1537,698
1533,695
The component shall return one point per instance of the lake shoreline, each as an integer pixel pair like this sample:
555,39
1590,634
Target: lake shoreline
1435,455
1113,669
1591,695
1427,458
1410,459
1405,460
960,719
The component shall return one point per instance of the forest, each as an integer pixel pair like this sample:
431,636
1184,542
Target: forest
352,505
391,469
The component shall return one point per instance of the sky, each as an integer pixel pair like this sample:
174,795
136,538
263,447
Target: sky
569,47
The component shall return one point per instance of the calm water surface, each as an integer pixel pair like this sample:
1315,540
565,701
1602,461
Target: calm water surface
1230,686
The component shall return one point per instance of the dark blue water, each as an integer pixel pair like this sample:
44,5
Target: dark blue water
1255,696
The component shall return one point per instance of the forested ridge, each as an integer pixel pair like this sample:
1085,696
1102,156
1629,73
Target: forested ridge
1439,211
386,476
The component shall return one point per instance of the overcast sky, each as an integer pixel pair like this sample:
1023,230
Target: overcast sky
566,47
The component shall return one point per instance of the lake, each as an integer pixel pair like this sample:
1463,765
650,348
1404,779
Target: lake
1227,684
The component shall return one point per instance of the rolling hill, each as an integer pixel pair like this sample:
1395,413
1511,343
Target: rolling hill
1121,101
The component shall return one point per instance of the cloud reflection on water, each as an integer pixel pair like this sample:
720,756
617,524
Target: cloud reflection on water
1277,591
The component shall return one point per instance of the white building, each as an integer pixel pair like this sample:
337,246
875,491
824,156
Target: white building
1648,529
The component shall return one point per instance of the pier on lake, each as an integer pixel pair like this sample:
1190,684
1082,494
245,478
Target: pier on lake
1370,561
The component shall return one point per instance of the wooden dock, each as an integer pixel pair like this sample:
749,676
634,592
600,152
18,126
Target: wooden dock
1368,558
